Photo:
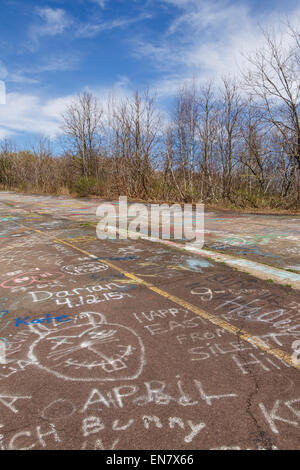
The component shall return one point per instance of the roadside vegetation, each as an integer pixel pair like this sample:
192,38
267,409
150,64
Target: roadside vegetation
231,145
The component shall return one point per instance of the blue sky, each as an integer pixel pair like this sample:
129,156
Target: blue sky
50,50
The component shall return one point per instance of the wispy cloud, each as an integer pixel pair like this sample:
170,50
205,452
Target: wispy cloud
31,75
205,40
51,22
14,77
101,3
89,30
57,63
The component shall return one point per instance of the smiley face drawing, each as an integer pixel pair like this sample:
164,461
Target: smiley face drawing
90,351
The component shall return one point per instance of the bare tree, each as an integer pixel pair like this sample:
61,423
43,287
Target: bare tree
273,78
206,134
187,145
229,131
82,124
135,126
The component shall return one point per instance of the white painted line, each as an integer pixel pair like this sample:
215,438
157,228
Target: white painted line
260,270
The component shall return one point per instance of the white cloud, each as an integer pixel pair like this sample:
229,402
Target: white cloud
35,115
54,22
28,113
207,40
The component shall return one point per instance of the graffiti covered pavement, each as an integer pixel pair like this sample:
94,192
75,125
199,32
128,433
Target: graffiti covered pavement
136,345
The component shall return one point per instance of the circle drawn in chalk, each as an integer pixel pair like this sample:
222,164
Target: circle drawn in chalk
85,352
84,268
58,409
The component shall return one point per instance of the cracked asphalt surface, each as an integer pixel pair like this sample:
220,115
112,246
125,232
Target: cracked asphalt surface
122,344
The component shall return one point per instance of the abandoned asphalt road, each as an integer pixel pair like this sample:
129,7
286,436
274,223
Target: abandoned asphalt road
133,345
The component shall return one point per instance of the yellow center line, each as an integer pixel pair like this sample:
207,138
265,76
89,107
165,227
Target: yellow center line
244,335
